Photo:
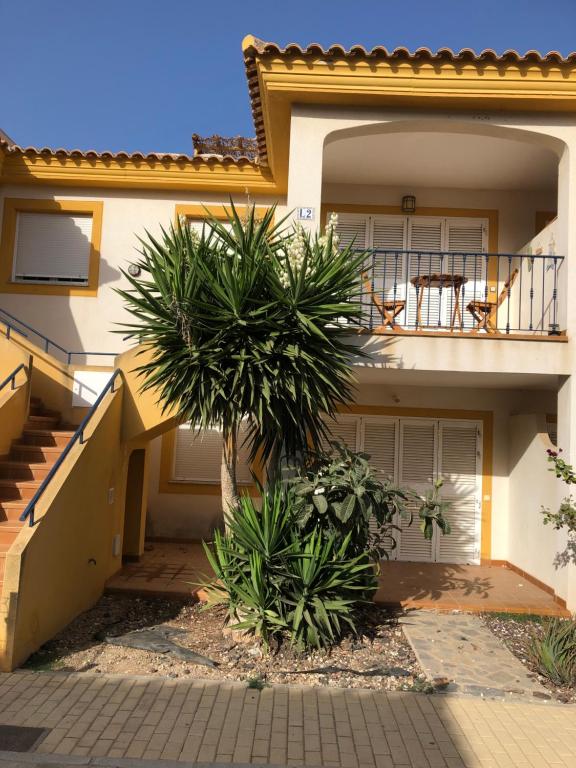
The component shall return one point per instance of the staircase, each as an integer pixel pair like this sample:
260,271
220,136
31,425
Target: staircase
21,472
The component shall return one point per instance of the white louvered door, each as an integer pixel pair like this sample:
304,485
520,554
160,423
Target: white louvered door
389,240
413,453
426,236
417,470
354,229
379,439
467,236
460,466
345,430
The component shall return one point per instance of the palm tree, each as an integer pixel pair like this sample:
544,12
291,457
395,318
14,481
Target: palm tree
247,321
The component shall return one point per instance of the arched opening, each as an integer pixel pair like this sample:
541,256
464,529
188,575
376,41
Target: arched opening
461,222
135,507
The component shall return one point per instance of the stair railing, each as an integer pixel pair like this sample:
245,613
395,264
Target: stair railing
14,324
12,377
79,438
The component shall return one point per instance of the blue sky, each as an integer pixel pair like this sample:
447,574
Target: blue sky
146,74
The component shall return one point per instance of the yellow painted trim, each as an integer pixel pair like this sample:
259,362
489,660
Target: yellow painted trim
15,205
481,86
487,419
127,173
167,485
395,210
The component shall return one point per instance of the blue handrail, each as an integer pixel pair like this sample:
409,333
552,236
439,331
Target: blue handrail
78,437
47,342
12,377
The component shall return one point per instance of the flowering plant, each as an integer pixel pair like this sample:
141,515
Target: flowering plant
566,515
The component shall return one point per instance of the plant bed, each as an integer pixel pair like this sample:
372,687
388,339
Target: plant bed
380,658
517,632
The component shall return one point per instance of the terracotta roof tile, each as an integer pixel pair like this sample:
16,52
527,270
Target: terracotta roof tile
253,48
92,154
260,48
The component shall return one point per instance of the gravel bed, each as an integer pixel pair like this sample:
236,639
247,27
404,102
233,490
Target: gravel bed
380,658
517,633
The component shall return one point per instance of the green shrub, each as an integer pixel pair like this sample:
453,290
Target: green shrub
276,581
301,566
340,493
323,589
553,651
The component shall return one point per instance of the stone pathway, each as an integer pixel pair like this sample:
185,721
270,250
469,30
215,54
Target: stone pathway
121,721
459,648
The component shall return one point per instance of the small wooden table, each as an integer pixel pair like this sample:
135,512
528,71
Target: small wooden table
439,281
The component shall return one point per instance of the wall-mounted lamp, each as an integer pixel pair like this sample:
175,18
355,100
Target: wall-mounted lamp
409,204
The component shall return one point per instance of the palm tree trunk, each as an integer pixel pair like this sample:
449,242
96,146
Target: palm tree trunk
228,472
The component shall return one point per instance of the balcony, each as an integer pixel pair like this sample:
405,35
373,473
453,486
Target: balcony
506,295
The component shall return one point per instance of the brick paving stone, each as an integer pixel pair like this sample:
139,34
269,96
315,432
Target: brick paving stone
196,721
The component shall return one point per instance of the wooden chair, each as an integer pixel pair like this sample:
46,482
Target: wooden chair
389,309
485,313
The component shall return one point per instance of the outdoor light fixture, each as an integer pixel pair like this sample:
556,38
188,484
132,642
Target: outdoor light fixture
134,270
409,204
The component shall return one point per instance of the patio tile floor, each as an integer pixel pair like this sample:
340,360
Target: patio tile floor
177,569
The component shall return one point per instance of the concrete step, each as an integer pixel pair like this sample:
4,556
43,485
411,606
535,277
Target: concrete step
24,470
8,532
46,437
45,421
12,510
36,454
18,490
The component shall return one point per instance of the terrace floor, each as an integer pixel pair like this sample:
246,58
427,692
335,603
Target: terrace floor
178,569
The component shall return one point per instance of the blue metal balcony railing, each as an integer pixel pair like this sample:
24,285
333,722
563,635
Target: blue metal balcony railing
462,292
14,325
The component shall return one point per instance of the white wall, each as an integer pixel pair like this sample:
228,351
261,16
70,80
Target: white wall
85,323
191,517
533,546
516,209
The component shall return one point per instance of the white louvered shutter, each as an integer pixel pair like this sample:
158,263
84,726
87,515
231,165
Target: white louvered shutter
426,235
459,465
417,471
52,248
380,442
354,228
389,268
198,456
467,236
345,430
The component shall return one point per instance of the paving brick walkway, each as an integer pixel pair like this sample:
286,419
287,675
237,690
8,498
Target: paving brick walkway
97,716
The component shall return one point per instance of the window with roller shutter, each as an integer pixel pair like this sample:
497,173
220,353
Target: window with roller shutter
52,248
198,456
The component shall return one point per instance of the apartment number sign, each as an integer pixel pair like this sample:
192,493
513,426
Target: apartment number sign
306,214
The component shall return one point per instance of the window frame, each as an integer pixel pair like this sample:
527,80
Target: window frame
12,207
167,483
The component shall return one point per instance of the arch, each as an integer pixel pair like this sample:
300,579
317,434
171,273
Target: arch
135,504
426,124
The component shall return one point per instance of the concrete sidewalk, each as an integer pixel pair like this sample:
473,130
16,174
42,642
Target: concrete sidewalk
128,719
